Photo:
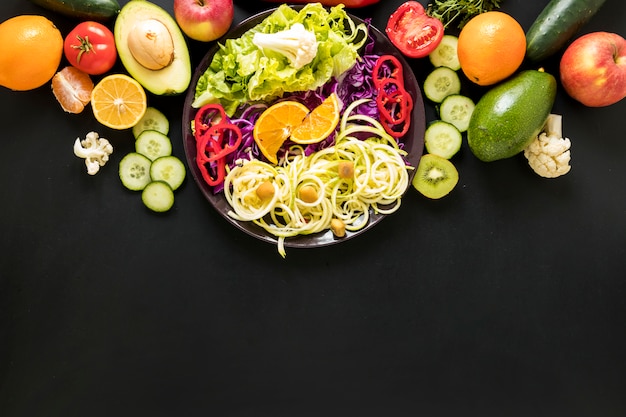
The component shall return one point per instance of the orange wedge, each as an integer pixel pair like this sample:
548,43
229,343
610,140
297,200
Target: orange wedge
318,124
118,101
275,125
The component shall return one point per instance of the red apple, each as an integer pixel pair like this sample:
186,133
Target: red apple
204,20
593,69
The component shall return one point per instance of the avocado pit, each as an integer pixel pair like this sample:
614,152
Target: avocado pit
151,44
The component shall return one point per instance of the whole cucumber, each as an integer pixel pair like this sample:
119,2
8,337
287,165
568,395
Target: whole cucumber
557,23
100,10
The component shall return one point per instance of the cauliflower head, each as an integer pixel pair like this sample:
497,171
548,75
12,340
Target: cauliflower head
296,43
549,154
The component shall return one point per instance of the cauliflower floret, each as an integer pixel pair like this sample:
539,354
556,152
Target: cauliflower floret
549,154
296,43
95,150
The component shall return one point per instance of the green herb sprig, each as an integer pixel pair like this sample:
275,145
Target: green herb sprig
460,11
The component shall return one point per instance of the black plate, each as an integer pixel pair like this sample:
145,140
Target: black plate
414,141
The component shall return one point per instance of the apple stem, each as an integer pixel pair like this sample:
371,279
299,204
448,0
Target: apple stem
616,57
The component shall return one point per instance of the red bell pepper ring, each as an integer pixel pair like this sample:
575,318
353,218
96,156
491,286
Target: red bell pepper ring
212,130
394,102
391,129
207,116
386,67
220,172
218,166
213,139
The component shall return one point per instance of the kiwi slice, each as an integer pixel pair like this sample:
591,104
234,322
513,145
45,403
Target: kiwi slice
435,176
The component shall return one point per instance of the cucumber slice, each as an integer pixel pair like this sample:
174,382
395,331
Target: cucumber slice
134,171
158,196
440,83
457,110
445,54
442,139
153,119
153,144
169,169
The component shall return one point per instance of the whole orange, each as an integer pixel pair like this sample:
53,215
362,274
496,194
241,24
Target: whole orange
491,47
31,48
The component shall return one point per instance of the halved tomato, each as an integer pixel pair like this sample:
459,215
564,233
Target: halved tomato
412,31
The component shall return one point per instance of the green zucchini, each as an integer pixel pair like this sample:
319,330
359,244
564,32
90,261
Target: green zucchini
557,23
101,10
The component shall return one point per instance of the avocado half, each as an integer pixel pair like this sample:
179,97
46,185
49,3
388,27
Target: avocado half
172,79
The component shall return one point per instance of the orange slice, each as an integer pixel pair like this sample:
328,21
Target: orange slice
118,101
72,88
275,125
318,124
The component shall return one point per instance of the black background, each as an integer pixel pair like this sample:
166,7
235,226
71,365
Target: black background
506,298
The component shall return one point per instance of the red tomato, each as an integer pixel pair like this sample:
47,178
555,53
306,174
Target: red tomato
412,31
90,47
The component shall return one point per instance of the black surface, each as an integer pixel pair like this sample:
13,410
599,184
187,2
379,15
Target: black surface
507,298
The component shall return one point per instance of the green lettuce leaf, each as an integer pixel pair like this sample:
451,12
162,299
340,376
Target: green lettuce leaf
240,72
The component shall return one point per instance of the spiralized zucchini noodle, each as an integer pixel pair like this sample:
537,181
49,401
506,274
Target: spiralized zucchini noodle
379,177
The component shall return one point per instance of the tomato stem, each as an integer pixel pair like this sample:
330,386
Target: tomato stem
84,46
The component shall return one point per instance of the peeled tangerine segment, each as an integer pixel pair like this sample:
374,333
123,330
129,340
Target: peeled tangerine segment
72,88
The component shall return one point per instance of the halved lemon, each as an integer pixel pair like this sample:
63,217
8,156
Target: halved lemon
118,101
275,125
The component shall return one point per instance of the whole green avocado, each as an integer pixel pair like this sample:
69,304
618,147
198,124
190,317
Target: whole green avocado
509,116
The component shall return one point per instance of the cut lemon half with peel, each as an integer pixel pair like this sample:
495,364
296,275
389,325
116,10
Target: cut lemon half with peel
318,124
118,101
275,126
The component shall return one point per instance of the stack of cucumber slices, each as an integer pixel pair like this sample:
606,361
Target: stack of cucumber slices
152,169
436,175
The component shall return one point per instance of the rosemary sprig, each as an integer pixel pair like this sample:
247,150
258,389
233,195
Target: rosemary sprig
460,11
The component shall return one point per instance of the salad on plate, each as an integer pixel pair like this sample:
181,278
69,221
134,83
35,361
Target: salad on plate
303,123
